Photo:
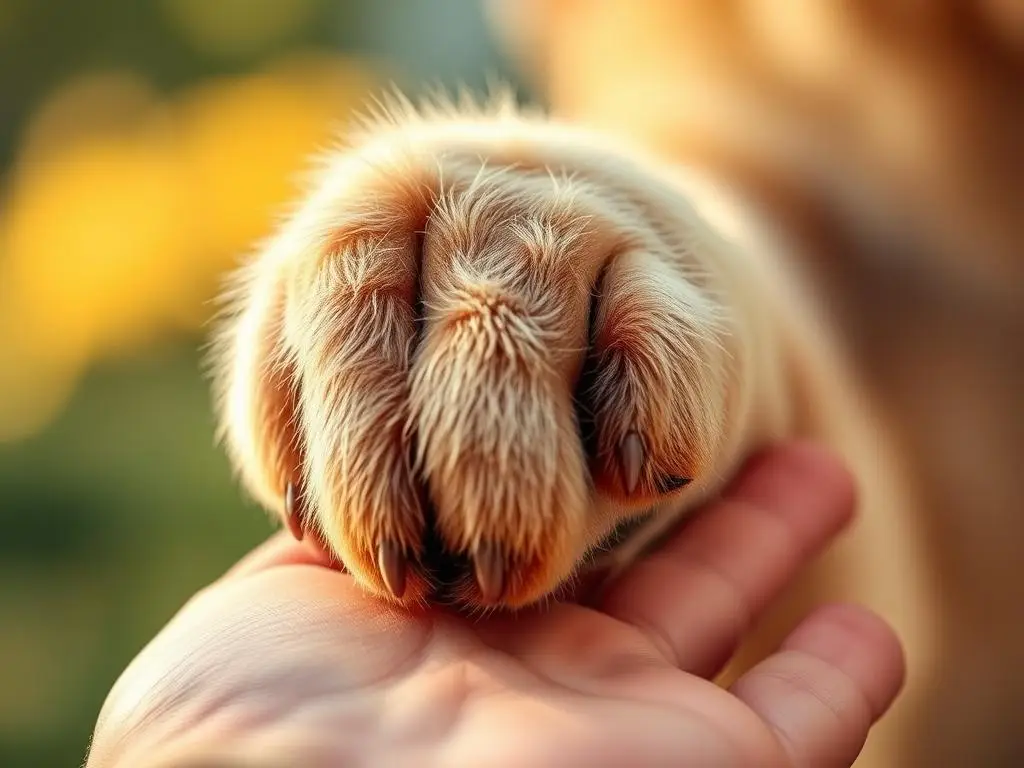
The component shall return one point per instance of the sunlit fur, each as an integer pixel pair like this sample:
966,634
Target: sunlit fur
463,289
456,287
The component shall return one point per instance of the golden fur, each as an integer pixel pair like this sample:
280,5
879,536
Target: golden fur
448,344
881,140
502,227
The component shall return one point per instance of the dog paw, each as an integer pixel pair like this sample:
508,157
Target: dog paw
478,348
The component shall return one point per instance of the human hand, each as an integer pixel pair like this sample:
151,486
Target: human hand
286,662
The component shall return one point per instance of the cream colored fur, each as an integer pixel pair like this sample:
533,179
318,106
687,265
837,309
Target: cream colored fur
501,225
412,348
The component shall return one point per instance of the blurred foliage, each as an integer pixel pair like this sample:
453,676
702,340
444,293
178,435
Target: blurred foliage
111,518
124,208
145,145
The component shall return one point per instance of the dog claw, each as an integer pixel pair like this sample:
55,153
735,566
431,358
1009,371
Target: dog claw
392,564
293,512
489,568
671,483
631,459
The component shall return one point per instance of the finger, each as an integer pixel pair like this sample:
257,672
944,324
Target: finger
698,594
280,549
834,677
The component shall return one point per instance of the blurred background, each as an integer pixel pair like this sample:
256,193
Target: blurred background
144,146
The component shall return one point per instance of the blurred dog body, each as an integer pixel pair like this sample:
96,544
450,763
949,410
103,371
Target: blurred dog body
879,142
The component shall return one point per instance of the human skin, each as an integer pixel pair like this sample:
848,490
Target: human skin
286,661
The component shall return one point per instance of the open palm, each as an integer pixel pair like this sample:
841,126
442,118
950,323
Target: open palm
286,662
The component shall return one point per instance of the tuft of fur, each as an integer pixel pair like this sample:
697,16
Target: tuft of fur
450,338
455,335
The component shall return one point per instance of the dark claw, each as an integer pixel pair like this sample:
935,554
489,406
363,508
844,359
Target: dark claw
670,483
631,460
392,563
489,567
294,514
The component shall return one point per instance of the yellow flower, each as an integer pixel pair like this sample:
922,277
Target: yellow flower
116,229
